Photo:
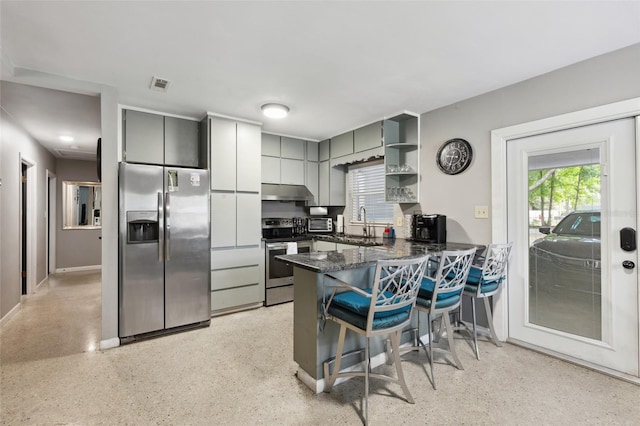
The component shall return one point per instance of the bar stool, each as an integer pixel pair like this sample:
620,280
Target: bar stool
439,296
383,309
485,281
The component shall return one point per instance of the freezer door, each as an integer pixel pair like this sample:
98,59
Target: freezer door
141,269
187,249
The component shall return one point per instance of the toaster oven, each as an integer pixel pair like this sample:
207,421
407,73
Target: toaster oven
320,224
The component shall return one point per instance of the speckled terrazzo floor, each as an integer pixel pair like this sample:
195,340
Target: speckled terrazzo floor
240,371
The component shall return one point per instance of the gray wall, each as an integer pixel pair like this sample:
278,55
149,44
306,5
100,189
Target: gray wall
76,247
598,81
15,140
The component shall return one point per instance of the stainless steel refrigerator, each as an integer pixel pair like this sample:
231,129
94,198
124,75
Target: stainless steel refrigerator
164,249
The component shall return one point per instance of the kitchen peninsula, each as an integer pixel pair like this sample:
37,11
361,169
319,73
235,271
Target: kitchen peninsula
314,339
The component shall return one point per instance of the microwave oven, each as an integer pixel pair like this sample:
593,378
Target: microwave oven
320,224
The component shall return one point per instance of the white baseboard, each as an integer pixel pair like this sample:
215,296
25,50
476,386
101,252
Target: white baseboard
10,314
114,342
41,282
78,268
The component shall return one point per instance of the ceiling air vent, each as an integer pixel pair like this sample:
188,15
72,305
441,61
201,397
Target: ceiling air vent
159,84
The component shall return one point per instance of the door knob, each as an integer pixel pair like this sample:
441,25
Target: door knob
627,264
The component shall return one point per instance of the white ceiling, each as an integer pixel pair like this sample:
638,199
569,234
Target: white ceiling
337,65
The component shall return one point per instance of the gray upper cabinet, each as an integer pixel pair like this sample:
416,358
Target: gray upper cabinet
312,151
143,137
270,145
323,150
181,142
292,148
368,137
248,157
291,172
342,145
270,169
156,139
312,181
223,154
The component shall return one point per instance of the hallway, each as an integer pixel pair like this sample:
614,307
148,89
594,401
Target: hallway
240,371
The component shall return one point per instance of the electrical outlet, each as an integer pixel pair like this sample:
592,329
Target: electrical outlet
482,212
399,221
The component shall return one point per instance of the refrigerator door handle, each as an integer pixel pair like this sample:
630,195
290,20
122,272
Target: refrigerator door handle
160,228
167,251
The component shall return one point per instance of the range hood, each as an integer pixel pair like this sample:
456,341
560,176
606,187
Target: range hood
273,192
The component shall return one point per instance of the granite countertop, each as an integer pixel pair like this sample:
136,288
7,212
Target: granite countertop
364,256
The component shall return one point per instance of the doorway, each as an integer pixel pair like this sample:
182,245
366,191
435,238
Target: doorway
505,224
570,294
28,225
50,246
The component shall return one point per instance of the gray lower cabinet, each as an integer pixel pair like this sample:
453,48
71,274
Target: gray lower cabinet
156,139
237,279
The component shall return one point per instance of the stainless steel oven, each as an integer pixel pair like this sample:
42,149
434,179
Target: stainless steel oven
279,275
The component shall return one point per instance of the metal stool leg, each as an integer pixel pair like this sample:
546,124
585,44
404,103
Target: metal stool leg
487,307
336,369
452,348
475,330
396,358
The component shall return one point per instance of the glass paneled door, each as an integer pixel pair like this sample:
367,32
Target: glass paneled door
569,194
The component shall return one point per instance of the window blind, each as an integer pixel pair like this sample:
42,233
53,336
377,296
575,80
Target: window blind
366,189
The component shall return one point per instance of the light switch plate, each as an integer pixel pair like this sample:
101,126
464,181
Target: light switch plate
399,221
482,212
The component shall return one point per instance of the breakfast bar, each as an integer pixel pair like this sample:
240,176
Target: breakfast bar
315,340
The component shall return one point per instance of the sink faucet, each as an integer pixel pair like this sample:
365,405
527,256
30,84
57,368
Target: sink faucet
362,214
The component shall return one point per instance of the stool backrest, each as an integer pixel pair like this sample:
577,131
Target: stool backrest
396,284
495,262
452,273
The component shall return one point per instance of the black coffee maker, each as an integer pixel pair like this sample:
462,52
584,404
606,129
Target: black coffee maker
430,228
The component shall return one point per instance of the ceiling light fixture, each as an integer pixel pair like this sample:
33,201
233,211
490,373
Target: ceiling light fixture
65,138
275,110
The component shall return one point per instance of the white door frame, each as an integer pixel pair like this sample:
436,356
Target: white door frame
32,224
499,139
51,201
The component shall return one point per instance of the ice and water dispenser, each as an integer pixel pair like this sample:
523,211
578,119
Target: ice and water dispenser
142,227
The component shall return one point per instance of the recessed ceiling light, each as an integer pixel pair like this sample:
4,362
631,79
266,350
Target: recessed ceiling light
65,138
275,110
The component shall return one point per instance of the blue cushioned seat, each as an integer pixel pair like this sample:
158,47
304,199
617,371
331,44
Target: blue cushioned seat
359,304
486,287
360,321
440,303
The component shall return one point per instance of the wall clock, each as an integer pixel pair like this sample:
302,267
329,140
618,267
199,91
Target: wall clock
454,156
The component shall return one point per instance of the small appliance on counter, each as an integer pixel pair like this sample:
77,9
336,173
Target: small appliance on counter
430,228
282,236
320,225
